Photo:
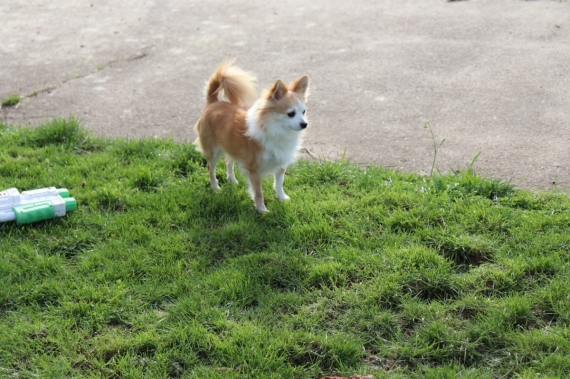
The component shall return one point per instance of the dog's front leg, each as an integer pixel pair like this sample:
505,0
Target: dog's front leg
257,192
278,185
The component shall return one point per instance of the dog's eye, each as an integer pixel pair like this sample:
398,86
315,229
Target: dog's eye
291,114
304,111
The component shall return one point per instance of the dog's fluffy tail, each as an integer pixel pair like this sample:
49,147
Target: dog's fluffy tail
237,85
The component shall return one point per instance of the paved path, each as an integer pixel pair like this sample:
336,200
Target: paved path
491,76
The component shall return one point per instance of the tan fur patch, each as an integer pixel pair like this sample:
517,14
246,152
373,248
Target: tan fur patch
224,124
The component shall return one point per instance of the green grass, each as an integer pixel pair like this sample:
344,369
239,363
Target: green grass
11,100
364,271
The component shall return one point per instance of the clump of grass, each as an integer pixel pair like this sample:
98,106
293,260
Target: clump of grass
436,145
364,271
11,100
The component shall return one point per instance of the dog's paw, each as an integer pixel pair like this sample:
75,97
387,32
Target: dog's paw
233,180
215,186
262,209
283,198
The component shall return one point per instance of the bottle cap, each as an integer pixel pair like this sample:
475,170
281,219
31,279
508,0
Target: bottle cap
70,204
63,192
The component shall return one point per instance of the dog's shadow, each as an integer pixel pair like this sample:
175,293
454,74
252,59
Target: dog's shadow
232,227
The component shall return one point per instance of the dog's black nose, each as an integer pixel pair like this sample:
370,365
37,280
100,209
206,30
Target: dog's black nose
303,125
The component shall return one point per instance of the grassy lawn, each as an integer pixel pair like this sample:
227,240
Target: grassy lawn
364,271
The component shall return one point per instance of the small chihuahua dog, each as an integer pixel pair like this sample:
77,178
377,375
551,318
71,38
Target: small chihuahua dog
262,135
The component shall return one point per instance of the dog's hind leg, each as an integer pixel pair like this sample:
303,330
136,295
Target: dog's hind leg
230,170
212,159
213,181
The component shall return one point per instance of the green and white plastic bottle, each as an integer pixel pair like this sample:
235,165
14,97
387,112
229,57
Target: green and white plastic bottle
35,205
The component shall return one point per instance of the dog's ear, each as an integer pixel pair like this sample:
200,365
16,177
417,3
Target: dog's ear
278,90
301,86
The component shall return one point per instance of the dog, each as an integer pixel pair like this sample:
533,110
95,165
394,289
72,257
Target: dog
261,134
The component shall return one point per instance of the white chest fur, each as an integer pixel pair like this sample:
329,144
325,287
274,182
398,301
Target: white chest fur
279,142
